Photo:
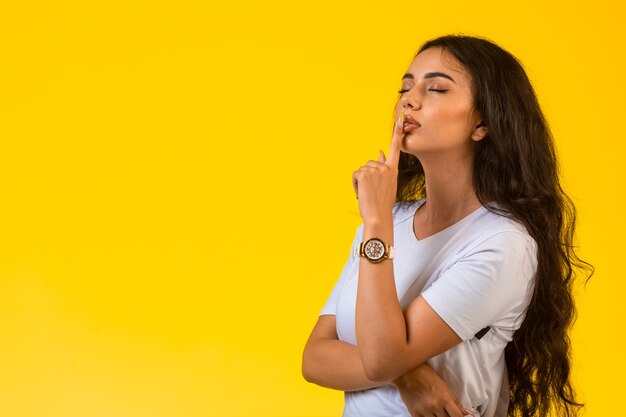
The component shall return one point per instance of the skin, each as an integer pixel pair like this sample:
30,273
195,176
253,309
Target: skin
393,345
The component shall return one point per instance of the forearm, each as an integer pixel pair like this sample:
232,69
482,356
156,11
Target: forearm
335,364
380,322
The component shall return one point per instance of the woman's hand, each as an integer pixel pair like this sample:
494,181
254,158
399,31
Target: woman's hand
425,394
375,183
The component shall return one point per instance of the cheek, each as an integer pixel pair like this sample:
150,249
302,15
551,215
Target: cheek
451,120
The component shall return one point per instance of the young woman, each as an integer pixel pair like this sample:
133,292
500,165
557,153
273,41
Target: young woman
456,299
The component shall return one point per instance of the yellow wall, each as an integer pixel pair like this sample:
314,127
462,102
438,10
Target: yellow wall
176,201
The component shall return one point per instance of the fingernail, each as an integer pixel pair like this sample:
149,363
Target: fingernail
399,121
468,412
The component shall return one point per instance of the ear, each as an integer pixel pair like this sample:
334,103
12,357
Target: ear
479,132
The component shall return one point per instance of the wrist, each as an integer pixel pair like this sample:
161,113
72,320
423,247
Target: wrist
380,228
421,372
378,220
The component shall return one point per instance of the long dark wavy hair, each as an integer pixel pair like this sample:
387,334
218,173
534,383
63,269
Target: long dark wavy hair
516,167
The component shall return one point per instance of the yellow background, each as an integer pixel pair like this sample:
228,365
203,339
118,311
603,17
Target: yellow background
176,201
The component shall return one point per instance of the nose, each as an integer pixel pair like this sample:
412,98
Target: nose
410,100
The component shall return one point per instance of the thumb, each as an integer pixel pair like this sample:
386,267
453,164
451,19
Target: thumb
382,158
466,412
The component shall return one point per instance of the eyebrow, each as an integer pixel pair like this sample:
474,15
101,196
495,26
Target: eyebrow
429,75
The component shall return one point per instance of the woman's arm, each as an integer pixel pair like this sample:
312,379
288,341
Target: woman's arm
489,281
389,343
332,363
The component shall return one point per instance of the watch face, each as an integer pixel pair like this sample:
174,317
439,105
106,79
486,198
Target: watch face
374,249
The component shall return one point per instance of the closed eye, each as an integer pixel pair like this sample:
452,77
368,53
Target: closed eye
436,90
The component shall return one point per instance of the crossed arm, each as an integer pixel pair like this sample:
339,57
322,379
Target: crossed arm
331,363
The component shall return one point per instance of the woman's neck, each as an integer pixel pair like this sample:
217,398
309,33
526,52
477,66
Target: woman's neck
450,192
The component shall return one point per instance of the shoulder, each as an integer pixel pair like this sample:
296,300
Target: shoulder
497,231
489,279
493,220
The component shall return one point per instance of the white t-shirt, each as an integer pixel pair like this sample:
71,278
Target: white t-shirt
476,274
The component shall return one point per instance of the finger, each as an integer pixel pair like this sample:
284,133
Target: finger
381,158
455,410
372,168
396,143
355,182
374,164
467,412
464,410
445,413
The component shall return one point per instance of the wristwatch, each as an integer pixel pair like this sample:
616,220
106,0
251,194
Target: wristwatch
375,250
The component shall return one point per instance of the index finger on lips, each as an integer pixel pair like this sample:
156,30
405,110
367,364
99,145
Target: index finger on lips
396,143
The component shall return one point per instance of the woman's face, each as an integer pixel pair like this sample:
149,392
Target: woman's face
436,93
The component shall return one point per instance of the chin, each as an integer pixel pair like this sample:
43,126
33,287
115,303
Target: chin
413,145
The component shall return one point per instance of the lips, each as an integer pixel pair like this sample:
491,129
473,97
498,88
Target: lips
409,124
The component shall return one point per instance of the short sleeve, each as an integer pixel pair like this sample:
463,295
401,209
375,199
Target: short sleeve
331,303
490,285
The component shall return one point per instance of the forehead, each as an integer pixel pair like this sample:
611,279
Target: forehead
437,59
